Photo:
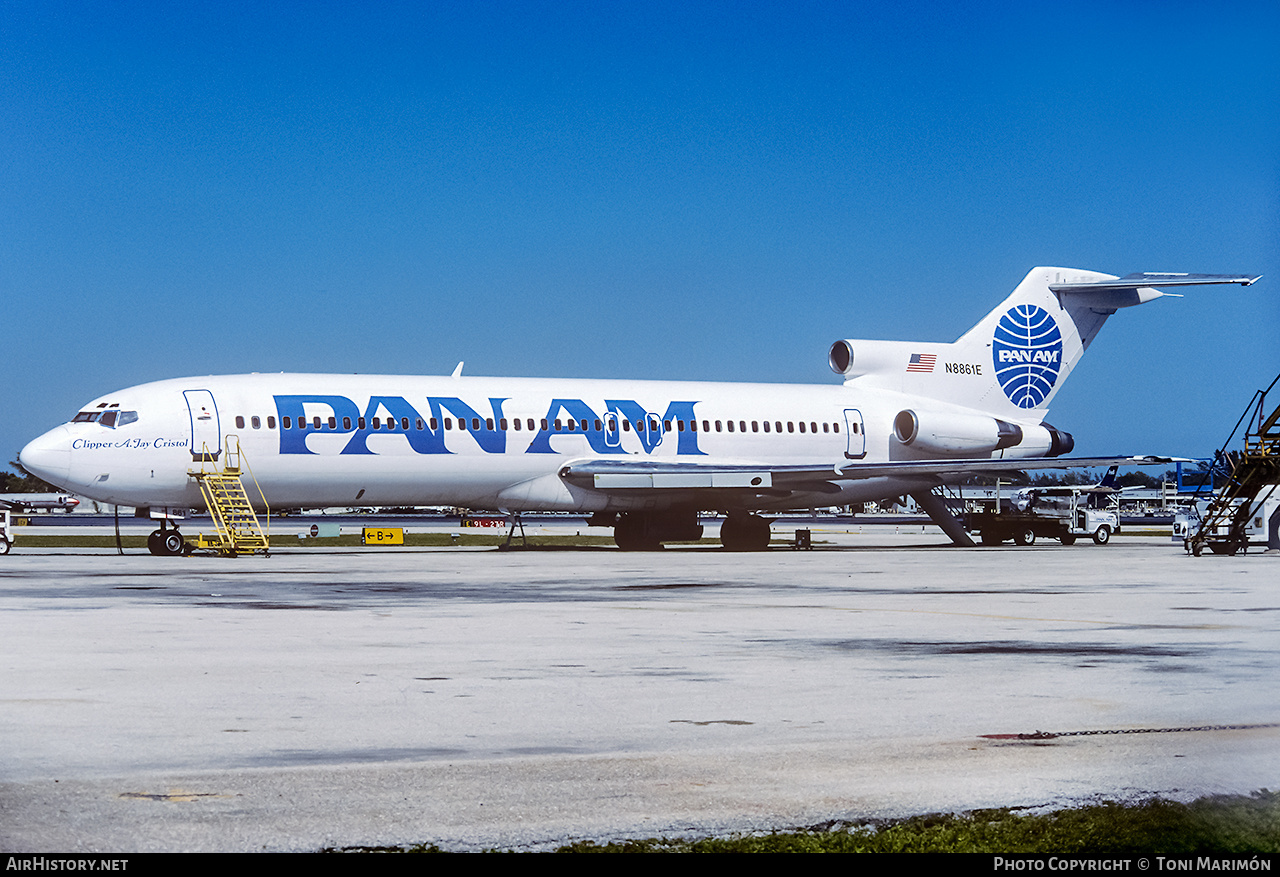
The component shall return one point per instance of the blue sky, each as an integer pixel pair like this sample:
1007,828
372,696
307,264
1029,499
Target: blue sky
685,191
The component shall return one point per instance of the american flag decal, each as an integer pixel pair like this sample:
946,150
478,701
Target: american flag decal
922,362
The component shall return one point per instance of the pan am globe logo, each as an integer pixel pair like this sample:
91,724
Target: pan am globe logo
1027,350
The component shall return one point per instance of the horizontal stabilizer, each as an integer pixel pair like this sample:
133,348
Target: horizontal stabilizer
1147,279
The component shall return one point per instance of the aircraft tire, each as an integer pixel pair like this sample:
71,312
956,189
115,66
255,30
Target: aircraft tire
745,533
153,542
1024,536
731,537
1067,538
1102,535
630,533
760,534
172,543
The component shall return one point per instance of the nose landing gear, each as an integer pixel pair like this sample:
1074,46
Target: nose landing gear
167,543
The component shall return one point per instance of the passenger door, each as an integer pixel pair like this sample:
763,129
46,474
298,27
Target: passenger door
855,433
206,428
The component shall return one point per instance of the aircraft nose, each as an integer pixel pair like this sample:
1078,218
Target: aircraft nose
49,456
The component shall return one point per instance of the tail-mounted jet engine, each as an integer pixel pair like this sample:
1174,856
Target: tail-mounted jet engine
939,433
1042,440
853,358
963,434
1059,442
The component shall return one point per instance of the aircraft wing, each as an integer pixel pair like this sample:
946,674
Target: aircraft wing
623,476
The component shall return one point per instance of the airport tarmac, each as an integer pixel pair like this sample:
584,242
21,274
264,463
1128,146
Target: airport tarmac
474,698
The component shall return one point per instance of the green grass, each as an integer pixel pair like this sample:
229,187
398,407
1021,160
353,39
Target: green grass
1221,824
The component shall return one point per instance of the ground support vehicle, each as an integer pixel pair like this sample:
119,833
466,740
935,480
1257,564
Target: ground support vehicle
1062,513
1225,520
1228,527
6,532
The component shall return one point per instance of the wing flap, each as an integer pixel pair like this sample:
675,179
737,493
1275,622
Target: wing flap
684,478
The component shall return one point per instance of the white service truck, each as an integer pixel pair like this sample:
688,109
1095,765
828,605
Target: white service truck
1062,513
1259,529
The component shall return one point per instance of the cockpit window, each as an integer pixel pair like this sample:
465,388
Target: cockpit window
110,419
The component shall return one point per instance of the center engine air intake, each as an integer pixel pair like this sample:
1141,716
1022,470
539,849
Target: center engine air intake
853,357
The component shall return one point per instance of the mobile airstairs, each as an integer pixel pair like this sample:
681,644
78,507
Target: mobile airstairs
238,528
1253,476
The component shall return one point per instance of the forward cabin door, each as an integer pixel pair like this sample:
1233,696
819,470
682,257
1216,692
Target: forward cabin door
206,428
856,434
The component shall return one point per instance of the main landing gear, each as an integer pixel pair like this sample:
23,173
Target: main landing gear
166,542
646,531
744,532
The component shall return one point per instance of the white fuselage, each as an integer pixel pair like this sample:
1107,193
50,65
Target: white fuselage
524,444
483,443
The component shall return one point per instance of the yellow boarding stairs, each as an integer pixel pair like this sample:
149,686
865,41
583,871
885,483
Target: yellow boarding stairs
1254,475
238,529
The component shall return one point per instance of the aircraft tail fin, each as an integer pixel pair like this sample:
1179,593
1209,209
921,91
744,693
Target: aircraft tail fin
1110,479
1110,482
1030,343
1014,361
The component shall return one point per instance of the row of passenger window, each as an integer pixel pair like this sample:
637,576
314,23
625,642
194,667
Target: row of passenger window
584,425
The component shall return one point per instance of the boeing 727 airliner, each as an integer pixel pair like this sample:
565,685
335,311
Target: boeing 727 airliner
643,456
